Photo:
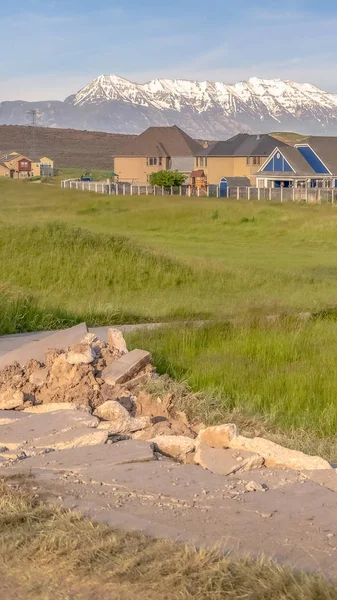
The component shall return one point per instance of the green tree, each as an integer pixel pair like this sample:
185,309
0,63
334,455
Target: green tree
167,178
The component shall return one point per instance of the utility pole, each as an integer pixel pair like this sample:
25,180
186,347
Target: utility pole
33,118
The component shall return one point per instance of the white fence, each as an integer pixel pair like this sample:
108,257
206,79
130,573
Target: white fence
310,195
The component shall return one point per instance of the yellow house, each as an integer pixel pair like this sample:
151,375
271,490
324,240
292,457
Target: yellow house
240,156
156,149
19,166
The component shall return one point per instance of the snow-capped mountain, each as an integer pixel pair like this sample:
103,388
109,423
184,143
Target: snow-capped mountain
203,108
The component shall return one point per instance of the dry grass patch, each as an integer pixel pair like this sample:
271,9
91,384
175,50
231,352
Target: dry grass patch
46,553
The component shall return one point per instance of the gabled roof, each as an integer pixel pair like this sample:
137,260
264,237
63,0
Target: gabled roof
295,160
243,144
326,149
161,141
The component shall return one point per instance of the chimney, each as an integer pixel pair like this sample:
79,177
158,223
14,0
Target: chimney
205,145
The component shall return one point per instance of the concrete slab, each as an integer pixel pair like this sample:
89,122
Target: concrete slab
325,478
11,416
73,438
93,458
36,349
27,430
126,367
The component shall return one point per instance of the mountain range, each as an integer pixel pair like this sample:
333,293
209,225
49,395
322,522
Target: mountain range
204,109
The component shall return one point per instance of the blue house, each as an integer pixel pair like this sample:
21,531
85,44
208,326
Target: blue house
312,163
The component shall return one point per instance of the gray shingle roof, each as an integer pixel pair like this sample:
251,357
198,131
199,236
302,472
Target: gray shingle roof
326,148
296,161
161,141
243,144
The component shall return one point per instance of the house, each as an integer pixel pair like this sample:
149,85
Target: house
312,163
15,166
43,167
240,156
156,149
19,166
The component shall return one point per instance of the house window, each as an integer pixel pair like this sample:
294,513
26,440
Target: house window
152,162
256,160
197,161
247,161
160,161
24,163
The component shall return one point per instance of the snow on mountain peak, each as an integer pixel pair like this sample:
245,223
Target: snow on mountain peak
255,99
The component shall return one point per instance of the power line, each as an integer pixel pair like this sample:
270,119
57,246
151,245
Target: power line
33,117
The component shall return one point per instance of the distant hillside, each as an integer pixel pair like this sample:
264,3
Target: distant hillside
289,137
68,147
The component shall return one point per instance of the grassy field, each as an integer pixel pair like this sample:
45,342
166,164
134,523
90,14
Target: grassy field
69,256
47,554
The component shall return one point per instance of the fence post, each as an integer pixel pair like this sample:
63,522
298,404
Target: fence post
123,189
319,195
131,190
281,194
180,190
333,196
293,193
189,191
217,191
207,188
238,193
171,190
248,193
270,193
259,193
198,192
306,194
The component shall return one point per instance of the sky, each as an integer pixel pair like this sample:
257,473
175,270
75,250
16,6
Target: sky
50,49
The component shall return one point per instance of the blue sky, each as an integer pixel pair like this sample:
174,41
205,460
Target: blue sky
50,49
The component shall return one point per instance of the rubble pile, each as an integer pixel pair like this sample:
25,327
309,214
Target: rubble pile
94,393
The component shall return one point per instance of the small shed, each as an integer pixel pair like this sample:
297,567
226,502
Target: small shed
198,178
227,182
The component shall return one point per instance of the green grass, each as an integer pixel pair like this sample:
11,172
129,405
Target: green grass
49,554
68,256
253,257
282,374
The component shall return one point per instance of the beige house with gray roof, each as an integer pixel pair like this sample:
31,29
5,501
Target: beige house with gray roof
156,149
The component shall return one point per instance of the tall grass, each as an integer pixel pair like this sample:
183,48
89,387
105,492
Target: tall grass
285,372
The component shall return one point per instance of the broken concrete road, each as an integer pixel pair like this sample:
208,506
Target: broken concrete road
291,519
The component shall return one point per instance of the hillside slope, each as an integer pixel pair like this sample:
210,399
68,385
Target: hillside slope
68,147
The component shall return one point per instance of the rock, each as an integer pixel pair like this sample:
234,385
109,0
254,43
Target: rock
11,398
219,436
277,456
118,419
174,446
53,407
126,367
135,424
137,381
116,341
39,377
253,486
146,404
90,338
113,411
225,462
74,438
80,354
226,436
